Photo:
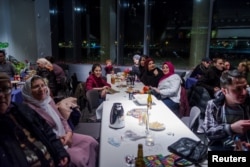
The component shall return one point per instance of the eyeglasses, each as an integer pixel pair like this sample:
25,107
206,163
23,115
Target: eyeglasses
6,90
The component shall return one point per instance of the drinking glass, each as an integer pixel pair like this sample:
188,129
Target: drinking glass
149,140
130,160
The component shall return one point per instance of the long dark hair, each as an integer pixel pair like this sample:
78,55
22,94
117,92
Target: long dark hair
94,67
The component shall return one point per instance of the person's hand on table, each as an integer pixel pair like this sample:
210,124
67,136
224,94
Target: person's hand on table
105,87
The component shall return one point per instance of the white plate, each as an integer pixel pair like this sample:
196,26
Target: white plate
142,98
15,82
160,127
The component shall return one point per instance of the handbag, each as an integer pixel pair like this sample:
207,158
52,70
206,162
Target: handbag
189,149
74,117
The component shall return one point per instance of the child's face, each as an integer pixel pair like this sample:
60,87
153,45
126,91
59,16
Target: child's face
136,61
108,63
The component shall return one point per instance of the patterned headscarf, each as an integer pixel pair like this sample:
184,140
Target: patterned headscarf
44,104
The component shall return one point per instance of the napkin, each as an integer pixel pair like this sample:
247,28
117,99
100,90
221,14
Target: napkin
114,141
112,91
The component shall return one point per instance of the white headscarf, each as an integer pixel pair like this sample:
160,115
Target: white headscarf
44,104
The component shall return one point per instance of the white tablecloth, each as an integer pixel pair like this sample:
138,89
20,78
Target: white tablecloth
111,155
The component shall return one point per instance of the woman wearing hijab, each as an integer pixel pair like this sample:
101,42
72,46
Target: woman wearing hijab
81,148
152,74
169,87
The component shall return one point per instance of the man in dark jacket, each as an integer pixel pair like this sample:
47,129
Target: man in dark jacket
201,68
25,138
211,79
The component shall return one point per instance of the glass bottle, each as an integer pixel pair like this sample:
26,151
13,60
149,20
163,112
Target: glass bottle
149,104
139,160
112,79
149,100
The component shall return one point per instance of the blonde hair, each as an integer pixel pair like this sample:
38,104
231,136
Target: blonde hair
108,61
45,63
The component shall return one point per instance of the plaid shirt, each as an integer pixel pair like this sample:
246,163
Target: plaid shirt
217,122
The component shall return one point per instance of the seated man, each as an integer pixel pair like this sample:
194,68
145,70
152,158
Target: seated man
227,116
6,66
211,79
25,138
201,68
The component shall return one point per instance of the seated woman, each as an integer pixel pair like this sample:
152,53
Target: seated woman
25,138
169,87
81,148
45,70
95,81
152,74
59,72
142,65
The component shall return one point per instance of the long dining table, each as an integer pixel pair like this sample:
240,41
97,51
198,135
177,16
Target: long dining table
115,144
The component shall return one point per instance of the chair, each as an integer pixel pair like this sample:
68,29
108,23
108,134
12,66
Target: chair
74,83
93,102
199,96
191,120
80,94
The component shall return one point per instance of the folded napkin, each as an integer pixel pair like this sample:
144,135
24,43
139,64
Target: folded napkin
112,91
114,141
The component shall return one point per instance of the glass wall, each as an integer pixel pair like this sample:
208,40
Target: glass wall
77,27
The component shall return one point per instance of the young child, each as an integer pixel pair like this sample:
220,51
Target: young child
135,67
108,68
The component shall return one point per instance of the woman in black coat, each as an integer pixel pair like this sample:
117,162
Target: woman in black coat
152,74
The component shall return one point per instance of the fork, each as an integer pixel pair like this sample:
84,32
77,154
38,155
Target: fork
137,138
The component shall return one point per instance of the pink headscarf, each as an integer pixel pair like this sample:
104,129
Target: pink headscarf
171,70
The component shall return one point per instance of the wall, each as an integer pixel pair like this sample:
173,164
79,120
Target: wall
43,33
26,27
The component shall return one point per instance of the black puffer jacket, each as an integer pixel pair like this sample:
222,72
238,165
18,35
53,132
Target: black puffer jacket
210,80
198,96
11,154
